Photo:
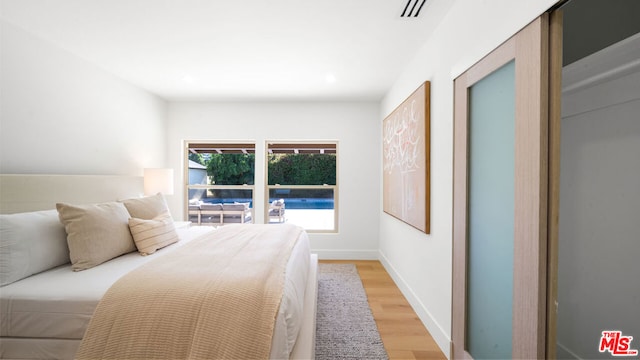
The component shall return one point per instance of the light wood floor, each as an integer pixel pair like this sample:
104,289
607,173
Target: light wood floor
403,334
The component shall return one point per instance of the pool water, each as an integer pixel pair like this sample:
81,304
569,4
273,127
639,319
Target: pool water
293,203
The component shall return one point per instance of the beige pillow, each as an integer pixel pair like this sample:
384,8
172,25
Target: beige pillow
95,233
151,235
146,208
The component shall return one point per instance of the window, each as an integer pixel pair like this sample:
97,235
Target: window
221,182
302,183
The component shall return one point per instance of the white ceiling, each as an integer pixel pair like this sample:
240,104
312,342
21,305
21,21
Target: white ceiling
238,49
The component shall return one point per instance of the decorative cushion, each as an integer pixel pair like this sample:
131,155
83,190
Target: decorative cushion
235,207
147,208
246,204
32,242
96,233
211,207
151,235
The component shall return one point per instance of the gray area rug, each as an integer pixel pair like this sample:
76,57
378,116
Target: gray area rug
345,328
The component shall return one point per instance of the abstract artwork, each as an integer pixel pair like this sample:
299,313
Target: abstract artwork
406,151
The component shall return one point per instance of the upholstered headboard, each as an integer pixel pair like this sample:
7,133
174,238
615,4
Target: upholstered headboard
21,193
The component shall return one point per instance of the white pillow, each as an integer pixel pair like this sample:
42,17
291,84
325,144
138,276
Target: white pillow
151,235
32,242
96,233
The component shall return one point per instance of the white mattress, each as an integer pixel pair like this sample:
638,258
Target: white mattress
58,304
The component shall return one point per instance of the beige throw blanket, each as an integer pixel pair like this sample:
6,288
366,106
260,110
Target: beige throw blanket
216,297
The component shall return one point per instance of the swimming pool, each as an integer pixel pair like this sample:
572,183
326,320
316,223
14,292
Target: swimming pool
291,203
308,203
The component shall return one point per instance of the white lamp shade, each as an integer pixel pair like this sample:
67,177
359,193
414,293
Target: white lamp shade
158,181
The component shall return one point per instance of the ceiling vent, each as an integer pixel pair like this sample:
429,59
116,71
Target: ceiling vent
412,9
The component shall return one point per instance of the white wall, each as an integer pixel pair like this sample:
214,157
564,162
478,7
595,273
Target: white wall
354,125
62,115
421,264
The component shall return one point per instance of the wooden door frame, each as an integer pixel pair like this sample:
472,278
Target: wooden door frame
555,100
529,47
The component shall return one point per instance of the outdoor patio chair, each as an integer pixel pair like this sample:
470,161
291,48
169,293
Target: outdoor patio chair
194,213
211,214
236,213
276,210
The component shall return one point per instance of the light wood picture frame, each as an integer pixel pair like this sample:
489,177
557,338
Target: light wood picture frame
406,148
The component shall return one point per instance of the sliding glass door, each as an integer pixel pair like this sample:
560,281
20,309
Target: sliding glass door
500,200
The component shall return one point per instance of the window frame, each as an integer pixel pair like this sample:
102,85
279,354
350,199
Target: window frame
306,146
230,147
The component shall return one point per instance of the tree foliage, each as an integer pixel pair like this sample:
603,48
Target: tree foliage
231,169
197,158
302,169
284,169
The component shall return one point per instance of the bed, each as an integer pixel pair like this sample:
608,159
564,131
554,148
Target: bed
46,314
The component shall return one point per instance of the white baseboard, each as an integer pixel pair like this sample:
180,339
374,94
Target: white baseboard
439,335
327,254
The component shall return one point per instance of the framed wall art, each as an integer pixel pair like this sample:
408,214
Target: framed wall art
406,160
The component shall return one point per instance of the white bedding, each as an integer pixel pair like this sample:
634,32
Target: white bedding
58,303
